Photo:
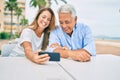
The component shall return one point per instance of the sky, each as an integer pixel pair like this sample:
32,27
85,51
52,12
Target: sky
103,16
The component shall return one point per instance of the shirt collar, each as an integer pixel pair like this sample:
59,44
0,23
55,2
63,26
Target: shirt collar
75,27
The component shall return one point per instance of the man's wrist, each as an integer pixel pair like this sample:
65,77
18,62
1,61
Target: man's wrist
69,53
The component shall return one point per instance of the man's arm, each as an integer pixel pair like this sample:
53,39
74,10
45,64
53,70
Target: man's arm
63,53
78,55
89,44
62,50
33,56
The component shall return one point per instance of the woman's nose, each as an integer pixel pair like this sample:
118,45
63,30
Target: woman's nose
45,20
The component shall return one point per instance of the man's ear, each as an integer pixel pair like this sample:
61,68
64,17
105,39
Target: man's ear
75,18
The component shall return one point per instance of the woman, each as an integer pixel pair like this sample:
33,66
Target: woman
35,38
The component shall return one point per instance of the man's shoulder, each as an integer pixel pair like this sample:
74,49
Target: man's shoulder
81,25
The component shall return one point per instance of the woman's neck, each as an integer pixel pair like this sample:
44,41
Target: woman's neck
38,32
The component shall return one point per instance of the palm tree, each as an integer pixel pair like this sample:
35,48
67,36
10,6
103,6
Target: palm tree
56,1
38,3
42,3
18,12
23,22
11,6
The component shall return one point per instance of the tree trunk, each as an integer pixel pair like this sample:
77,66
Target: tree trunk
18,27
11,32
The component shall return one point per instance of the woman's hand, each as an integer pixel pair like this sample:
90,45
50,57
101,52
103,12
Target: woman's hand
40,59
33,56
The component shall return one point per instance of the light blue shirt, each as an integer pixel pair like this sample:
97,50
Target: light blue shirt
80,38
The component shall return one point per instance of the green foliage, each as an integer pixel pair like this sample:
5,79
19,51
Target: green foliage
23,21
12,0
16,35
11,5
18,11
42,3
64,1
4,35
38,3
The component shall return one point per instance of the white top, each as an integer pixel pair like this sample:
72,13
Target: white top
30,36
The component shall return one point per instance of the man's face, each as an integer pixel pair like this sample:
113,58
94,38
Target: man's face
67,22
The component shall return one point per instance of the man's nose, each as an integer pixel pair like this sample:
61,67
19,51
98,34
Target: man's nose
63,25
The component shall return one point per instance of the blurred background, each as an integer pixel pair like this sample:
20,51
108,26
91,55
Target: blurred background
103,17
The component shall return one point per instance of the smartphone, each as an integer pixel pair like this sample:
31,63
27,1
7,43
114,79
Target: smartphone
54,56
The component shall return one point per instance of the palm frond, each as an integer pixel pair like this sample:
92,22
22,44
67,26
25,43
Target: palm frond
64,1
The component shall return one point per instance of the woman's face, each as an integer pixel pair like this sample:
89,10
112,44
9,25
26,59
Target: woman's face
44,19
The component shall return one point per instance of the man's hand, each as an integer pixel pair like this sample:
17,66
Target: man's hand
63,50
56,45
80,55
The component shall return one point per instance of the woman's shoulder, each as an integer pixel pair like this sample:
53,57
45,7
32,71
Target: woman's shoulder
28,30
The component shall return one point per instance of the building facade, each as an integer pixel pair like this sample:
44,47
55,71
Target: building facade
6,17
2,15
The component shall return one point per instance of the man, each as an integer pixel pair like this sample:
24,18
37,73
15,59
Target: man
72,39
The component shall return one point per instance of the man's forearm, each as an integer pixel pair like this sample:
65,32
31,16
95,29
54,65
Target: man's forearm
79,55
63,52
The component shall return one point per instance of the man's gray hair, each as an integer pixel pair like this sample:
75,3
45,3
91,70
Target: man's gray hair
67,8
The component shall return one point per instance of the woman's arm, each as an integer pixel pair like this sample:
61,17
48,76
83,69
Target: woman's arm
33,56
